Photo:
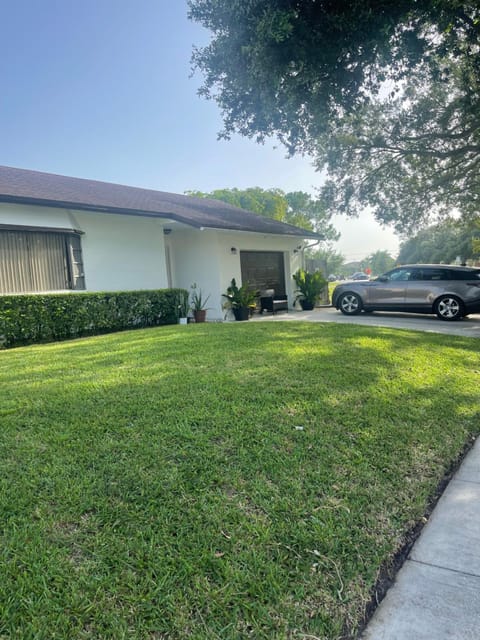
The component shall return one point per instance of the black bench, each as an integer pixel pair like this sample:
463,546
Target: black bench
271,302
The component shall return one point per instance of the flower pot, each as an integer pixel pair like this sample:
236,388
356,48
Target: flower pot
307,305
241,313
183,321
200,315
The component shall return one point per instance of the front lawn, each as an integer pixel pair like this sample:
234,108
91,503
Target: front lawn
243,480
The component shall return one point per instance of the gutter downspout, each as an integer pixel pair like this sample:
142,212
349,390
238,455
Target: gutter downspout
308,246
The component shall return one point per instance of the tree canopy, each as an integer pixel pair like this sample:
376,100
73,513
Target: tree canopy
327,260
444,242
296,207
383,94
412,158
378,263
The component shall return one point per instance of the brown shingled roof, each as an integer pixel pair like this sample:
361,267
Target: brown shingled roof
47,189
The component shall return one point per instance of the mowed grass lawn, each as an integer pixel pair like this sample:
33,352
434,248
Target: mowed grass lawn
243,480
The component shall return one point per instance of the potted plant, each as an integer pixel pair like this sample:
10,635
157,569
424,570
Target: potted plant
310,287
198,303
183,307
241,300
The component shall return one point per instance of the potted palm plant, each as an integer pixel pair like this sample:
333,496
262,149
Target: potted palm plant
198,303
241,300
309,288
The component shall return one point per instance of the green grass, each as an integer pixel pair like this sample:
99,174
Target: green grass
156,484
331,288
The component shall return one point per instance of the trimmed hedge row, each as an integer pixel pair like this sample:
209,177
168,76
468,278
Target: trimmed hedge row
26,319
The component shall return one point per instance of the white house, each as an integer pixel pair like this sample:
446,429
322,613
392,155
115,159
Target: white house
59,233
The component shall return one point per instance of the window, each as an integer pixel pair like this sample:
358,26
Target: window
471,274
37,260
431,274
399,275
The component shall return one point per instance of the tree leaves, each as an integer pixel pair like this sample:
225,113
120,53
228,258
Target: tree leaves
297,207
413,159
384,95
442,243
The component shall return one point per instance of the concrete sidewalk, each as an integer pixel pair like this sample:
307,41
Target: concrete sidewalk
436,594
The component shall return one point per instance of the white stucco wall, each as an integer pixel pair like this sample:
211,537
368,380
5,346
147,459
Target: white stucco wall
230,263
35,216
195,259
122,252
119,252
206,258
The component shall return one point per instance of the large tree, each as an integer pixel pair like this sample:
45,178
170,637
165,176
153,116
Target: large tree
413,157
315,74
297,207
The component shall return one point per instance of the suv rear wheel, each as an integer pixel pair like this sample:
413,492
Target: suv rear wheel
449,308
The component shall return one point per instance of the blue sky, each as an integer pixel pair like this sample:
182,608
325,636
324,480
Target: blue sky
101,89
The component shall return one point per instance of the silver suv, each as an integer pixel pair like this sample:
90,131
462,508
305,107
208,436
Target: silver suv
450,292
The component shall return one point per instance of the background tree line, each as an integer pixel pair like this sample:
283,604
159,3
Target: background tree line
296,207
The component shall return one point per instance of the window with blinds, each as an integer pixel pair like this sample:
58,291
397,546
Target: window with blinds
35,261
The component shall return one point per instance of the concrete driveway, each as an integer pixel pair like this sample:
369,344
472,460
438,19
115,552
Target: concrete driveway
467,327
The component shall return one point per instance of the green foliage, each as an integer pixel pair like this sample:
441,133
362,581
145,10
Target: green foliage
198,301
286,68
412,158
441,243
183,303
310,286
379,262
307,212
27,319
266,202
384,96
297,207
327,260
239,297
154,484
476,239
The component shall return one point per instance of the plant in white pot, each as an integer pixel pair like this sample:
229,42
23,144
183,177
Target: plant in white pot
183,307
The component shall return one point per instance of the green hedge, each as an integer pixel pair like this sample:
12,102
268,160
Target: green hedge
26,319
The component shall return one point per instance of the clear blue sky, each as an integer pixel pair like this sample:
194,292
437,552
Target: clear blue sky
101,89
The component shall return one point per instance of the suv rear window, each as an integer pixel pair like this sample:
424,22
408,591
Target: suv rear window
431,274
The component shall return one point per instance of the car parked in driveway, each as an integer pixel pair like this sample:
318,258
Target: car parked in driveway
449,291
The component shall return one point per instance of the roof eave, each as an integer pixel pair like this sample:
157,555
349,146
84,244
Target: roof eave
308,234
167,215
64,204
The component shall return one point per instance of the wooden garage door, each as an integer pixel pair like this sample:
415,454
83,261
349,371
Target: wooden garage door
263,270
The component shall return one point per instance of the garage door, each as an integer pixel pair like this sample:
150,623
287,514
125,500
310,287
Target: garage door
263,270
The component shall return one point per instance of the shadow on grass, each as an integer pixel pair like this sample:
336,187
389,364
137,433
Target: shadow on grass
220,481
